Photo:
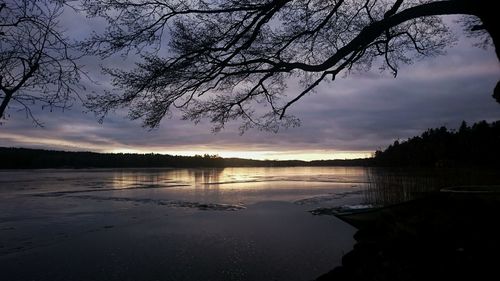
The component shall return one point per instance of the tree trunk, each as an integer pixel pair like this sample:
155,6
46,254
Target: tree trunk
5,102
488,13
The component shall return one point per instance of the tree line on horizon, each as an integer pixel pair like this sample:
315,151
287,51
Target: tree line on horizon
475,145
25,158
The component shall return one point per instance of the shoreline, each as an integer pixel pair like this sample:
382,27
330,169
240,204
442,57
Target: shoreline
447,236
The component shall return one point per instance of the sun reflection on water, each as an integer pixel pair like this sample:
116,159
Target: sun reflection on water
236,178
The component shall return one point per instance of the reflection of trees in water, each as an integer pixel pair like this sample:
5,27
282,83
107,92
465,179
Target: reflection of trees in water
206,176
206,181
127,179
389,186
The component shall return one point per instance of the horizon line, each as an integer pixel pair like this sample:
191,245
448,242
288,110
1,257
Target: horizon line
184,155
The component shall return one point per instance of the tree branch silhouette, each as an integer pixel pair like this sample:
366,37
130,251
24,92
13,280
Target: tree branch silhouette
232,59
38,64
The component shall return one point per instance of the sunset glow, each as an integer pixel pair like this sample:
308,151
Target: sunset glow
351,118
249,140
260,155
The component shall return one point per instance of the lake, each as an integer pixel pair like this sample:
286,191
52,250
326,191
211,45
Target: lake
186,224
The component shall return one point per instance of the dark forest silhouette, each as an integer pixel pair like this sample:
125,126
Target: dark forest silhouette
21,158
475,145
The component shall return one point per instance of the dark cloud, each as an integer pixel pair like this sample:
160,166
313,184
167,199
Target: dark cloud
359,113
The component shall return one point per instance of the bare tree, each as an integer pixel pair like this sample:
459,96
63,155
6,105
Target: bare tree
229,59
37,63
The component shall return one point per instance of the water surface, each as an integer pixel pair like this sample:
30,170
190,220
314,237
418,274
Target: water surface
174,224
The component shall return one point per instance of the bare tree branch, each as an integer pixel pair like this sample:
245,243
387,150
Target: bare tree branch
228,59
37,63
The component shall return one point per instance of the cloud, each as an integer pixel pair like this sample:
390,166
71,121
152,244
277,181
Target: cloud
352,116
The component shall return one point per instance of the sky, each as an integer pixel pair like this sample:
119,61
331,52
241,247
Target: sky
349,118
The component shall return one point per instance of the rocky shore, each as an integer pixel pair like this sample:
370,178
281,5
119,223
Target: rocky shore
445,236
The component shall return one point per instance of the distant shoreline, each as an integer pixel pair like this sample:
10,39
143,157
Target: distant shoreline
26,158
470,147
